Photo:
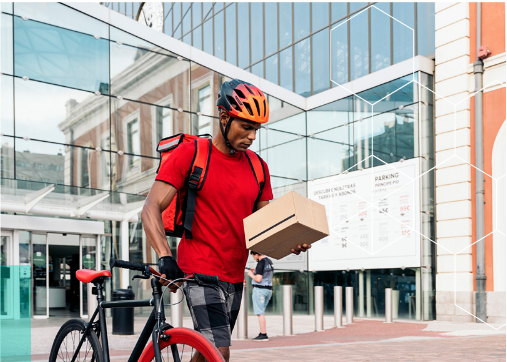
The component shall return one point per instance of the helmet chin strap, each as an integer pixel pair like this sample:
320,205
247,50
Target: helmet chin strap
224,134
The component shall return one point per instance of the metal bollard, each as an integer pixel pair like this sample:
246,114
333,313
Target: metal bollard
243,316
349,304
338,307
319,308
177,309
91,301
389,305
287,310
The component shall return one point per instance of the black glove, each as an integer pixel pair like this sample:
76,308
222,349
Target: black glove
168,266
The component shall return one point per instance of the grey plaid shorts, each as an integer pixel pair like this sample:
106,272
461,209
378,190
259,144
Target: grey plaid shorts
214,312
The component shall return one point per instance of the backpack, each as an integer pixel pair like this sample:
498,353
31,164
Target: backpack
179,215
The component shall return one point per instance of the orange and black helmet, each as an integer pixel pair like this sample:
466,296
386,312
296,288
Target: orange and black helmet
243,100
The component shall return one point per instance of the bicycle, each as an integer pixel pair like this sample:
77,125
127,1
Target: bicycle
166,340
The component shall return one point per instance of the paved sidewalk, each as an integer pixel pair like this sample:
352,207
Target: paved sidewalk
364,340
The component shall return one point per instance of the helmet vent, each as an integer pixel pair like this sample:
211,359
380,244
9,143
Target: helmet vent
258,108
240,93
248,108
233,103
249,90
265,108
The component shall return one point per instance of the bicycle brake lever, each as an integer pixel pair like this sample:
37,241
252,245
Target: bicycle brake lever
141,277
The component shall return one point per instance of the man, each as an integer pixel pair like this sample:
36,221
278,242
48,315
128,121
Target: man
218,245
262,282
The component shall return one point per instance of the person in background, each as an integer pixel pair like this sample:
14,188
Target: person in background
262,282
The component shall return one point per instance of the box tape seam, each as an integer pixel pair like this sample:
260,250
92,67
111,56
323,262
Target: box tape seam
271,227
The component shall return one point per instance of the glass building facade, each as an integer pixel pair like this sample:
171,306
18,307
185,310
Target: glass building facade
292,44
85,103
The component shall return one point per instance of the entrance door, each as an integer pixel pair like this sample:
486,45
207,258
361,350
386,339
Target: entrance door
89,259
40,267
6,276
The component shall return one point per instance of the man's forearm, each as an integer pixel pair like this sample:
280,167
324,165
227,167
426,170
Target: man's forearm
154,228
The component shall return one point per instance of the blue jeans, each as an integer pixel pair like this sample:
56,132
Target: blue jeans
260,298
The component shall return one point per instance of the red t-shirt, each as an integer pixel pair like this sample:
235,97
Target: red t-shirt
218,246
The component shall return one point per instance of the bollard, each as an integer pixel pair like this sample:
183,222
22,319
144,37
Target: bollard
338,307
177,309
349,304
91,300
287,310
319,308
389,305
243,315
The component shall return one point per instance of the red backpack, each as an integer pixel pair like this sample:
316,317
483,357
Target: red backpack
179,215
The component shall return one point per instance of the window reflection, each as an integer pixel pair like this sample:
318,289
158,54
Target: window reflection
7,49
257,31
301,20
359,54
339,53
7,105
380,37
302,67
230,34
271,24
285,24
219,36
244,36
286,69
320,64
403,34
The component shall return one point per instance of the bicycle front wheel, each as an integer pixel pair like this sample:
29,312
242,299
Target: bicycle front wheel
183,344
67,341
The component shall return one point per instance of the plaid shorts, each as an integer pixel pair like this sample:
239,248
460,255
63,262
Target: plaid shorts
214,313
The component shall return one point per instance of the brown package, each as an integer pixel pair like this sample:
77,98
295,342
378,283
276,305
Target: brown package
285,223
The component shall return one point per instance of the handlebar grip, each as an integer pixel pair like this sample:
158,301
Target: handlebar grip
126,265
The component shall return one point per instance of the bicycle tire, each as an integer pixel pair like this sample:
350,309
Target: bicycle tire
183,336
66,330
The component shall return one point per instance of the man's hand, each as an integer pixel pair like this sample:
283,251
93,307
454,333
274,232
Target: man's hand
300,248
170,270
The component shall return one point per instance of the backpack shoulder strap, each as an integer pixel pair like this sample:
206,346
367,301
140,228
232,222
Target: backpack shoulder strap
259,172
196,177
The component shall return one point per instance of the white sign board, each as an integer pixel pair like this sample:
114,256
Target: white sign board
374,218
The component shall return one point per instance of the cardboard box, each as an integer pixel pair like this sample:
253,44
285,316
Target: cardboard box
284,224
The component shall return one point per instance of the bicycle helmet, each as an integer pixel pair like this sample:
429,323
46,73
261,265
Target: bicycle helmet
242,100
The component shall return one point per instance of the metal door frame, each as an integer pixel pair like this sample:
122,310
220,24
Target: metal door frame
47,274
98,258
9,260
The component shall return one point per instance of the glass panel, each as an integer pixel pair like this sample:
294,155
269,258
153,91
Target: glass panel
257,32
203,77
320,15
177,20
426,29
359,57
187,39
320,62
284,160
63,17
197,38
88,261
301,20
338,11
258,69
7,44
208,37
7,157
403,41
196,14
230,34
39,272
339,40
207,11
329,116
187,22
202,125
244,36
393,134
63,165
55,55
61,114
426,105
272,69
7,7
219,36
380,37
356,6
169,80
285,24
168,19
218,7
329,153
7,103
135,174
271,24
302,64
286,69
387,96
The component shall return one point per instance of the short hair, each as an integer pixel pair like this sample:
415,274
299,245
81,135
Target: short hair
254,253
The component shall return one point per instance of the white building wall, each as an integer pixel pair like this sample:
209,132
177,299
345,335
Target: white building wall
453,176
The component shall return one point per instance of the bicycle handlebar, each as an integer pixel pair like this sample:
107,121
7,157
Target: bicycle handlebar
127,265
